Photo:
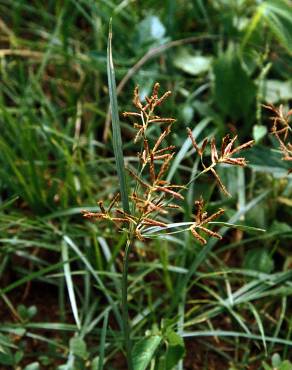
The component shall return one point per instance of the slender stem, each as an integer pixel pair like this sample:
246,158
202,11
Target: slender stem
125,310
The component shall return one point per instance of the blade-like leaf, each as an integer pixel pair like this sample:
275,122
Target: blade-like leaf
102,342
117,139
144,350
69,282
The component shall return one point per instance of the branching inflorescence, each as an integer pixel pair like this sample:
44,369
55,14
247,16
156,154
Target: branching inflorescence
282,130
152,194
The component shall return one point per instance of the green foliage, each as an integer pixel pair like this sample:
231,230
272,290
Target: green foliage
278,364
234,91
78,347
277,15
144,350
192,64
258,259
175,350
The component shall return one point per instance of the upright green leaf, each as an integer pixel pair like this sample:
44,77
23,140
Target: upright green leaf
78,347
234,91
277,15
69,282
144,350
102,342
117,138
175,350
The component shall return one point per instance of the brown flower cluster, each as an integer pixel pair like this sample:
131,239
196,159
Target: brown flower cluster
152,195
201,221
282,129
226,154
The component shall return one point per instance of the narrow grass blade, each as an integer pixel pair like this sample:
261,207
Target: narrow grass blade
69,282
223,333
9,202
102,342
202,255
117,139
108,256
102,287
260,325
32,276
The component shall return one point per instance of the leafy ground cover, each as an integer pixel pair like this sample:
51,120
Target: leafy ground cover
225,304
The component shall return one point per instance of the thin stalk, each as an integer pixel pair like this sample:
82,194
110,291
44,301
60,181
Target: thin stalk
125,310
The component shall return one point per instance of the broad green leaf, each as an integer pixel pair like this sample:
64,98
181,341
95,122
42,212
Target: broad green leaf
263,159
192,64
276,360
258,259
234,91
7,358
95,363
277,90
266,366
18,356
78,347
150,31
175,350
32,366
258,132
187,113
286,365
280,227
144,350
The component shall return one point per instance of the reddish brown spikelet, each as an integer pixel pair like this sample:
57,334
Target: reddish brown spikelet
244,146
198,236
150,222
214,216
202,219
91,215
136,99
210,232
165,166
214,154
169,191
161,120
100,203
164,96
114,200
126,114
200,151
220,183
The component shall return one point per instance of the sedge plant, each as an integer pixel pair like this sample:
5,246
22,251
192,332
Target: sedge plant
153,201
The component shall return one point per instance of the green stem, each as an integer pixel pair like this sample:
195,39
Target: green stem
125,310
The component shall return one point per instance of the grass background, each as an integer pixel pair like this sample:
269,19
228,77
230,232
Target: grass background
228,300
